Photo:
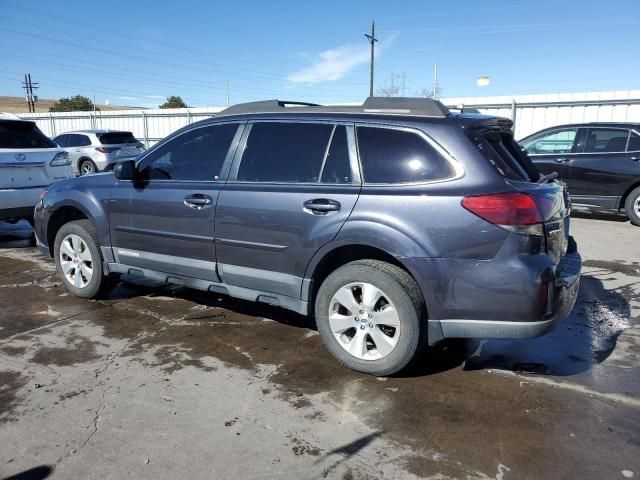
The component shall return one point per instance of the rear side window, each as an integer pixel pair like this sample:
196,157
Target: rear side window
114,138
75,140
398,156
20,134
196,155
284,152
605,140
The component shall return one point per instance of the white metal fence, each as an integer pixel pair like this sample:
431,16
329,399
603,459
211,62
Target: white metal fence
529,112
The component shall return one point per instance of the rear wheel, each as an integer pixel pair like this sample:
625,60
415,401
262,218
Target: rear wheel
632,206
79,260
87,167
370,315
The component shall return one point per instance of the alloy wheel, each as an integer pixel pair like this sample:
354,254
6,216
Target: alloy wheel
76,261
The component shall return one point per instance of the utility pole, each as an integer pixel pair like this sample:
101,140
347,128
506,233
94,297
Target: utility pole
372,40
28,86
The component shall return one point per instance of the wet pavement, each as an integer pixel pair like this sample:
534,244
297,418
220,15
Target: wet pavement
158,381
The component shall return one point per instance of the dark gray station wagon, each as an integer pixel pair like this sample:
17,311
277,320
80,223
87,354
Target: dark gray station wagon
397,223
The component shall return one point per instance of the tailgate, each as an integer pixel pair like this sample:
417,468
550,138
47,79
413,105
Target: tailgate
29,168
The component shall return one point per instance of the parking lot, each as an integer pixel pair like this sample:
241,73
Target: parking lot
165,382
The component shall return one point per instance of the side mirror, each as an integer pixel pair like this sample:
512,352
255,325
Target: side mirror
125,170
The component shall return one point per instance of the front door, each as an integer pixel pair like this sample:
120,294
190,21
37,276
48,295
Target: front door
167,220
292,187
554,150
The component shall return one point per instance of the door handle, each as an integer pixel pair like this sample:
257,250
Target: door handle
198,201
562,160
321,206
635,159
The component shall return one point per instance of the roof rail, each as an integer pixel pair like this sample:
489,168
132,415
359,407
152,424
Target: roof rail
263,106
413,105
385,105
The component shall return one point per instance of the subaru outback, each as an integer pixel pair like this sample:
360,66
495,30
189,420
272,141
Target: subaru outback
396,223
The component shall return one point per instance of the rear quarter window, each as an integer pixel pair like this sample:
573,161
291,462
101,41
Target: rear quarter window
20,134
389,155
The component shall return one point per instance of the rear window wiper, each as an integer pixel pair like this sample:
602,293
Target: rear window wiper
548,177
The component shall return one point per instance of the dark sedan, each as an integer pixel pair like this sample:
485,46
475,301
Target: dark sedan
600,163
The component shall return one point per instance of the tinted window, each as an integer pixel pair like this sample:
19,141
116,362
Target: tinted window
75,140
20,134
634,142
61,140
605,140
113,138
284,152
507,156
337,168
195,155
398,156
558,141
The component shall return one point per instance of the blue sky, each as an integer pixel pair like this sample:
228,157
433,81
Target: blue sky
139,52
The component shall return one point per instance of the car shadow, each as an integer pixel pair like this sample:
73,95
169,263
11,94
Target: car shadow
16,235
586,338
583,340
596,215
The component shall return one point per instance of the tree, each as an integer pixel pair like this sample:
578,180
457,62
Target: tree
386,91
429,93
174,102
73,104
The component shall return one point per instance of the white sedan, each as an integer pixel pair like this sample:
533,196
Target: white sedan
29,163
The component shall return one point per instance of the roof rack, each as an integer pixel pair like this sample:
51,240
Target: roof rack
385,105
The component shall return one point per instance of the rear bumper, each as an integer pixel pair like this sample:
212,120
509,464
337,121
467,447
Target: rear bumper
19,202
500,299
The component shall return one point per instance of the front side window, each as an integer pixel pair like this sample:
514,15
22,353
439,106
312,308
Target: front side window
605,140
398,156
634,142
551,143
61,140
284,152
196,155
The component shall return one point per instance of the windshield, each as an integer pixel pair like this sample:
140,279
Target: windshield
21,134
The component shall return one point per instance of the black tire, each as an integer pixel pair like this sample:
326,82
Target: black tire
87,164
629,206
405,295
98,282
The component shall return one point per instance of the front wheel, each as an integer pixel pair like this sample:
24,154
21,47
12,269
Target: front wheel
632,206
79,261
371,316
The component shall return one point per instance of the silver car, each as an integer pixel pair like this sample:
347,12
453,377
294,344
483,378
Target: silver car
93,151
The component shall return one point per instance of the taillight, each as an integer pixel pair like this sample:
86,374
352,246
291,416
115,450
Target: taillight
514,211
107,149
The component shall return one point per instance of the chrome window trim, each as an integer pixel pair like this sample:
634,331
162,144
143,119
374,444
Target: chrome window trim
458,169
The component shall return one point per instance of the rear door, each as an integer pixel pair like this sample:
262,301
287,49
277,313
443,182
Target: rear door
164,220
554,150
292,187
25,157
604,169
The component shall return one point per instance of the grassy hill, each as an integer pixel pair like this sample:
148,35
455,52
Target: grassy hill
19,105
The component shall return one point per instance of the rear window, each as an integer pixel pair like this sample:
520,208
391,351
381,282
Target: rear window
506,155
19,134
390,155
113,138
